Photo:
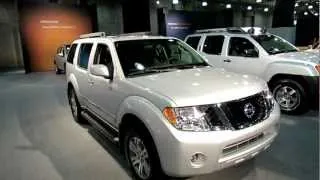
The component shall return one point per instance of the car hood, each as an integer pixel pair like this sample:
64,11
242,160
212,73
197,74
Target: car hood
201,85
301,56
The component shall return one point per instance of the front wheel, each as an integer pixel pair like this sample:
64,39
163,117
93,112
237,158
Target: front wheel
142,156
291,96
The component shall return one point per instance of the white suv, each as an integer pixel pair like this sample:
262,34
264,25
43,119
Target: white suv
170,112
292,76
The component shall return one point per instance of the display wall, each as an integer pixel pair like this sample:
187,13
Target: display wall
45,27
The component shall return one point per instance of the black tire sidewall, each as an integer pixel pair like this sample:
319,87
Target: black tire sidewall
77,117
156,171
302,107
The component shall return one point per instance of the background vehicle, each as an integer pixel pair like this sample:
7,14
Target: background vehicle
292,76
170,112
61,57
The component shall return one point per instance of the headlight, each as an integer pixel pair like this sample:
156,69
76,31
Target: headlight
197,118
269,100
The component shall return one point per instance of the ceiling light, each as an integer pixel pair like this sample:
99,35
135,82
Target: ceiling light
305,13
228,6
294,12
158,2
296,5
316,14
310,7
295,22
266,9
204,3
249,8
258,1
175,1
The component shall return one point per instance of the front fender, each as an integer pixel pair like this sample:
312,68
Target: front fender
152,118
289,68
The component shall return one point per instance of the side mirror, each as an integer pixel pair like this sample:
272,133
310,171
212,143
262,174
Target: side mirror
100,70
251,53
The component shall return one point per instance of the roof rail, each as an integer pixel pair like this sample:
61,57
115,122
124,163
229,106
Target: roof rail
229,30
135,34
92,35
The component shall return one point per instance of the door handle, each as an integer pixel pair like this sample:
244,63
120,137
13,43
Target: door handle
90,82
227,60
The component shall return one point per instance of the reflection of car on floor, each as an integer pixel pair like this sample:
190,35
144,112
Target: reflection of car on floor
291,75
61,57
170,112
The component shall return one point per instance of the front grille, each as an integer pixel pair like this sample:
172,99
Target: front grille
240,117
241,113
235,147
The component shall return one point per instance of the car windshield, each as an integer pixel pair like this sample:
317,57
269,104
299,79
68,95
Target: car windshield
142,57
273,44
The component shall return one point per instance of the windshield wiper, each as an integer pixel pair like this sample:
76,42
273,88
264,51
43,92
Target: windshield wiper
181,66
147,71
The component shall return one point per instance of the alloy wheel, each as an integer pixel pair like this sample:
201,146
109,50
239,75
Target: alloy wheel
139,157
287,97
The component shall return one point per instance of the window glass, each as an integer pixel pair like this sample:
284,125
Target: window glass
193,41
84,54
140,57
103,56
71,54
213,45
273,44
242,47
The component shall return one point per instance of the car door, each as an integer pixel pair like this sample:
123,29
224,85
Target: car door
243,56
81,71
212,49
102,93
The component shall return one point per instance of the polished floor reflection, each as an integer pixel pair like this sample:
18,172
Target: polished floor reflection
39,140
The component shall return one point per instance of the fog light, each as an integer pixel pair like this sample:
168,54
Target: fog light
198,159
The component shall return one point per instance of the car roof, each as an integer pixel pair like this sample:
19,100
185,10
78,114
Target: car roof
120,38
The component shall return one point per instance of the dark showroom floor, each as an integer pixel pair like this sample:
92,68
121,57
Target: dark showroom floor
40,140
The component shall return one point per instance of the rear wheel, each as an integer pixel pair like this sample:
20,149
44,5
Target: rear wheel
58,71
75,106
291,96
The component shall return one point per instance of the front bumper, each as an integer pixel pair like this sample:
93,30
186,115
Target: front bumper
313,90
218,149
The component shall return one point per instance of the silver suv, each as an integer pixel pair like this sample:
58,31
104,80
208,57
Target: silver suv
292,76
170,112
61,57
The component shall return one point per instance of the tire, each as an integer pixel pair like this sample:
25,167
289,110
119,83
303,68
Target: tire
291,96
149,157
58,71
75,106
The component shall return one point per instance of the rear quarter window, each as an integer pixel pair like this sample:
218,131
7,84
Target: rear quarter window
71,53
193,41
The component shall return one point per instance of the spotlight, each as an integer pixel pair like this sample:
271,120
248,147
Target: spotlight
296,5
175,1
258,1
249,8
310,7
305,13
158,2
228,6
316,14
204,3
294,12
266,9
295,22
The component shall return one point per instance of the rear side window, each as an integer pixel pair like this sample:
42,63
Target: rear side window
84,54
193,41
213,45
71,53
103,56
